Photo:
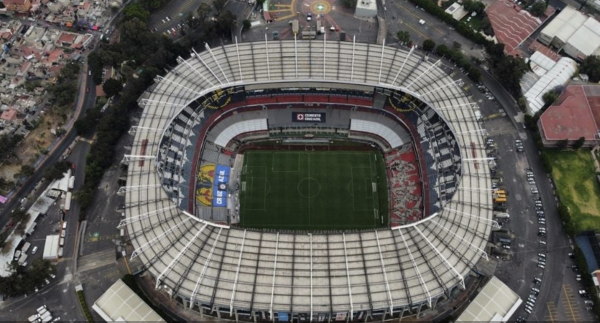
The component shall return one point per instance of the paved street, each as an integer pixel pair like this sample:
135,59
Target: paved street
402,15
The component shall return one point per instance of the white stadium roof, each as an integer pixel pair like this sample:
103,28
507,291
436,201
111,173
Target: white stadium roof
207,264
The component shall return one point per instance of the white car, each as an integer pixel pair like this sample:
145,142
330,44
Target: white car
421,21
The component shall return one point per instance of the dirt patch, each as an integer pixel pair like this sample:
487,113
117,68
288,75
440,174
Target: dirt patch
34,145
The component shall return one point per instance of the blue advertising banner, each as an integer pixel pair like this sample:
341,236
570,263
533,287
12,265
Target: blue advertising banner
220,186
222,174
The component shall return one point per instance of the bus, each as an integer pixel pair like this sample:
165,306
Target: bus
68,201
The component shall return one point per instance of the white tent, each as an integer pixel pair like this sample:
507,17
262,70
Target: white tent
559,74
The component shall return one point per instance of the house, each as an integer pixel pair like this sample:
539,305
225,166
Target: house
19,6
575,114
9,115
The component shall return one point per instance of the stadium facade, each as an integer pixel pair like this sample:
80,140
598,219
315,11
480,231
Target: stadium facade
215,101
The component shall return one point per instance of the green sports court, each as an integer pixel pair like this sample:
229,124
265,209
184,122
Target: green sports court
313,190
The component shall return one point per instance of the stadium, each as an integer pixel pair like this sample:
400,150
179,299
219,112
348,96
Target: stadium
308,181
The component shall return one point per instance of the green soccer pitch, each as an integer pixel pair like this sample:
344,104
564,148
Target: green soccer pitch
299,190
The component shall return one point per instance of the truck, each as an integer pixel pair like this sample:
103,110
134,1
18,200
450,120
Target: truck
502,215
22,259
60,251
47,317
25,247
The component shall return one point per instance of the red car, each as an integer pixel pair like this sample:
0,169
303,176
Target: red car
73,166
87,90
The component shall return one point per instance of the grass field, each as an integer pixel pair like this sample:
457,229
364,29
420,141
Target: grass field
577,186
301,190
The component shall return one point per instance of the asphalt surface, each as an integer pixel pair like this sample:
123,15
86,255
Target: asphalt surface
401,15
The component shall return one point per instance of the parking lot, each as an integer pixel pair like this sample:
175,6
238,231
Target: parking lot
536,256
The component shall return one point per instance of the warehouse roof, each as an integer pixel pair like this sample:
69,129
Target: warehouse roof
121,304
565,24
495,303
587,38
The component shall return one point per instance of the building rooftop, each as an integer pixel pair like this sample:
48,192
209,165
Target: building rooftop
587,38
536,46
570,117
9,115
558,75
565,24
121,304
511,24
495,303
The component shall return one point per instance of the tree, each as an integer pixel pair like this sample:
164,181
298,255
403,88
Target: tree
538,8
486,26
226,21
112,87
549,98
403,37
473,6
509,70
442,50
57,170
203,12
428,45
246,24
456,45
474,74
26,171
219,4
135,11
579,143
591,67
522,104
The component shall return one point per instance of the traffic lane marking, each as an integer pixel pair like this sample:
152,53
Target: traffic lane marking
417,17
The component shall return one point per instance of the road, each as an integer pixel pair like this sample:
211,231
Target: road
402,15
53,157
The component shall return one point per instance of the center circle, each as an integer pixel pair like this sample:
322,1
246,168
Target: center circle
309,187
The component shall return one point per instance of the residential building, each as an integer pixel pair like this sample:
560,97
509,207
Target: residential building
19,6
